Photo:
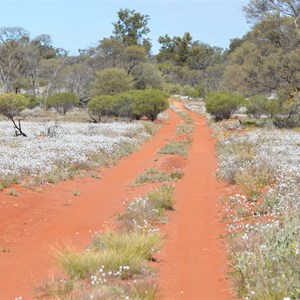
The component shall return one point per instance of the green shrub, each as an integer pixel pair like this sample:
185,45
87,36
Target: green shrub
222,104
32,100
174,89
150,103
286,122
111,81
124,104
260,105
62,102
100,106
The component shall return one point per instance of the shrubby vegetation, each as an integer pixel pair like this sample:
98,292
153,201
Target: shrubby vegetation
62,102
132,105
11,106
223,104
262,210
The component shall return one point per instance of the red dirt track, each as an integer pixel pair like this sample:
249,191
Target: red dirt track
192,261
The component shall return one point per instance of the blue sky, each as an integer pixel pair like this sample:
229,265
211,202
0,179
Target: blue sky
78,24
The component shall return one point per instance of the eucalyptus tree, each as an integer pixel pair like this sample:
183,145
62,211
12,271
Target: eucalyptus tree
131,28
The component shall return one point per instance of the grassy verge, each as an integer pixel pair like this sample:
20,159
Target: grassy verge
116,263
262,210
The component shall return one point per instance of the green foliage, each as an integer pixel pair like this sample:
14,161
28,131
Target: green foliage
131,28
81,265
147,76
222,104
151,103
141,244
132,104
33,101
174,89
124,103
176,147
193,91
111,81
260,105
162,197
101,106
153,175
62,102
12,104
269,265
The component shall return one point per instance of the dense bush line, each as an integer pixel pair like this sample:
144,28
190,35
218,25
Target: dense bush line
132,105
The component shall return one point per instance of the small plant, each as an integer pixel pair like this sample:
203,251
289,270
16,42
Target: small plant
76,193
184,128
140,214
12,192
153,175
55,287
176,147
186,117
162,197
83,264
4,249
140,244
144,290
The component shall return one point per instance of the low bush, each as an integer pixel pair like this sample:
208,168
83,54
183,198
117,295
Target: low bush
132,105
100,106
150,103
260,105
62,102
221,105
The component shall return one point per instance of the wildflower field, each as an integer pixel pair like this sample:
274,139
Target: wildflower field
52,151
261,207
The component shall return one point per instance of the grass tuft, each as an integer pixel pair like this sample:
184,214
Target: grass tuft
162,197
82,265
140,244
176,147
153,175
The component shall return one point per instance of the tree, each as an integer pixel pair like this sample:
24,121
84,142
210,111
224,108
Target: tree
176,49
11,106
77,78
133,55
131,28
12,43
147,76
222,104
62,102
268,61
111,48
257,10
111,81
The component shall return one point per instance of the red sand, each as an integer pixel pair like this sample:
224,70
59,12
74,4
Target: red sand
192,261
